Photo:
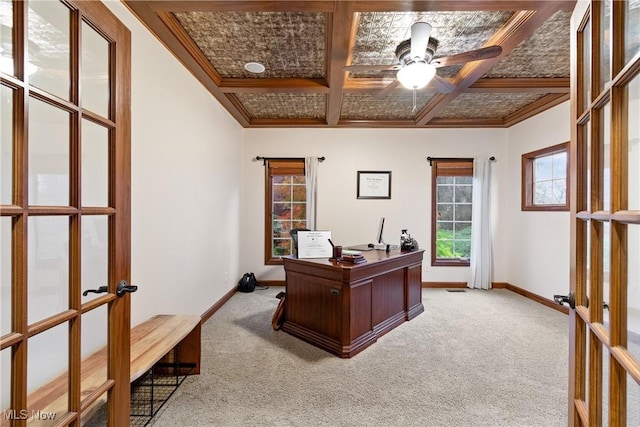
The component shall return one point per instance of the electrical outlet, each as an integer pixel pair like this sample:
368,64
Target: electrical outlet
226,276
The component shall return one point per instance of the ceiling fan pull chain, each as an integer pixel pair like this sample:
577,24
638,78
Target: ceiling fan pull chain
413,111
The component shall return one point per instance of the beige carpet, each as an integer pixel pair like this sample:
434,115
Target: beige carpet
474,358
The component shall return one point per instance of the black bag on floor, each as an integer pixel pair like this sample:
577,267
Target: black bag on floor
247,283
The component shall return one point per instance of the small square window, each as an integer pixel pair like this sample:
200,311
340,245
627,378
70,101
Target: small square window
545,181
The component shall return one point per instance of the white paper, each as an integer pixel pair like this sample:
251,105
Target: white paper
314,244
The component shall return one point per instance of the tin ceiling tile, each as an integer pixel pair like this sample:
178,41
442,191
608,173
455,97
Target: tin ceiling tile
487,105
396,106
283,105
544,54
288,44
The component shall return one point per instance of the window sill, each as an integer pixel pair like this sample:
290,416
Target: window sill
546,208
453,262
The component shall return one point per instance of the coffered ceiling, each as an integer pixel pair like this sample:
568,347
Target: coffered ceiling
305,46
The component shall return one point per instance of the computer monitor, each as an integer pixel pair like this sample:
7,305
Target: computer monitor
380,239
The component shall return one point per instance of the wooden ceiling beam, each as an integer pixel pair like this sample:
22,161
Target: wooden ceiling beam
271,85
520,27
362,123
341,29
526,85
460,5
466,123
287,123
240,6
359,6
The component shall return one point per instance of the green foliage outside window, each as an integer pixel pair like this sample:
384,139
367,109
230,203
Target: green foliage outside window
453,222
450,245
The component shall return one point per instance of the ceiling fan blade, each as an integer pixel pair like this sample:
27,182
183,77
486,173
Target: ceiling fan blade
388,89
356,68
420,32
464,57
441,85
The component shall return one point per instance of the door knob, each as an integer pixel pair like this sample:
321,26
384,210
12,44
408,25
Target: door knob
569,299
100,290
124,287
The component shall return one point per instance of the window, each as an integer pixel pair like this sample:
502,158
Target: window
452,188
285,206
545,180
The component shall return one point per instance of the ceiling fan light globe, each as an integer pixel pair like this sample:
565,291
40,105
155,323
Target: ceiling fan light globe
416,75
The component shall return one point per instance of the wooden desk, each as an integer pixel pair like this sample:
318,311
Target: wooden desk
344,308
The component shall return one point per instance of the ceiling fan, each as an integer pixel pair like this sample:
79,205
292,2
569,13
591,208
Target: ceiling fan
417,65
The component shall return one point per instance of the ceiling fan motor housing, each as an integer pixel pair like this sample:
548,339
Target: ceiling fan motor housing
403,51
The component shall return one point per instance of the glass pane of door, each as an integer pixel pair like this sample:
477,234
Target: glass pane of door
6,145
606,357
6,35
585,38
606,271
95,255
95,71
95,164
605,155
5,275
94,340
48,155
5,372
587,374
632,29
633,91
633,290
49,47
633,402
52,362
605,43
48,266
588,155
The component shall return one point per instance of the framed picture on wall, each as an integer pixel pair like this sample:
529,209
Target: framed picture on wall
374,185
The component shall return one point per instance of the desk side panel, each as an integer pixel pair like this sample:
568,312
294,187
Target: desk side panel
314,303
388,296
358,306
414,291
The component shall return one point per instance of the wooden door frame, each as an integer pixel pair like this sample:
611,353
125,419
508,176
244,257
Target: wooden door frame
588,216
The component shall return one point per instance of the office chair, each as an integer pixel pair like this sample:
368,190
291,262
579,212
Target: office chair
294,236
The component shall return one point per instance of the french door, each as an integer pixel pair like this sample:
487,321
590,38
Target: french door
604,387
65,209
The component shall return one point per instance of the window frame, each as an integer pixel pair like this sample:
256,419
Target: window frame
276,167
454,167
527,192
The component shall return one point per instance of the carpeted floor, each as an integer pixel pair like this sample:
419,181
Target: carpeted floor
474,358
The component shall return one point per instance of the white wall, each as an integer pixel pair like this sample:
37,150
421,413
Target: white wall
538,242
185,151
402,151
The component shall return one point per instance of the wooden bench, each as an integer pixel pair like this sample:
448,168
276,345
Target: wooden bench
151,342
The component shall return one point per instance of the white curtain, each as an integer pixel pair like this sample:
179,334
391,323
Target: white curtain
481,263
311,175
